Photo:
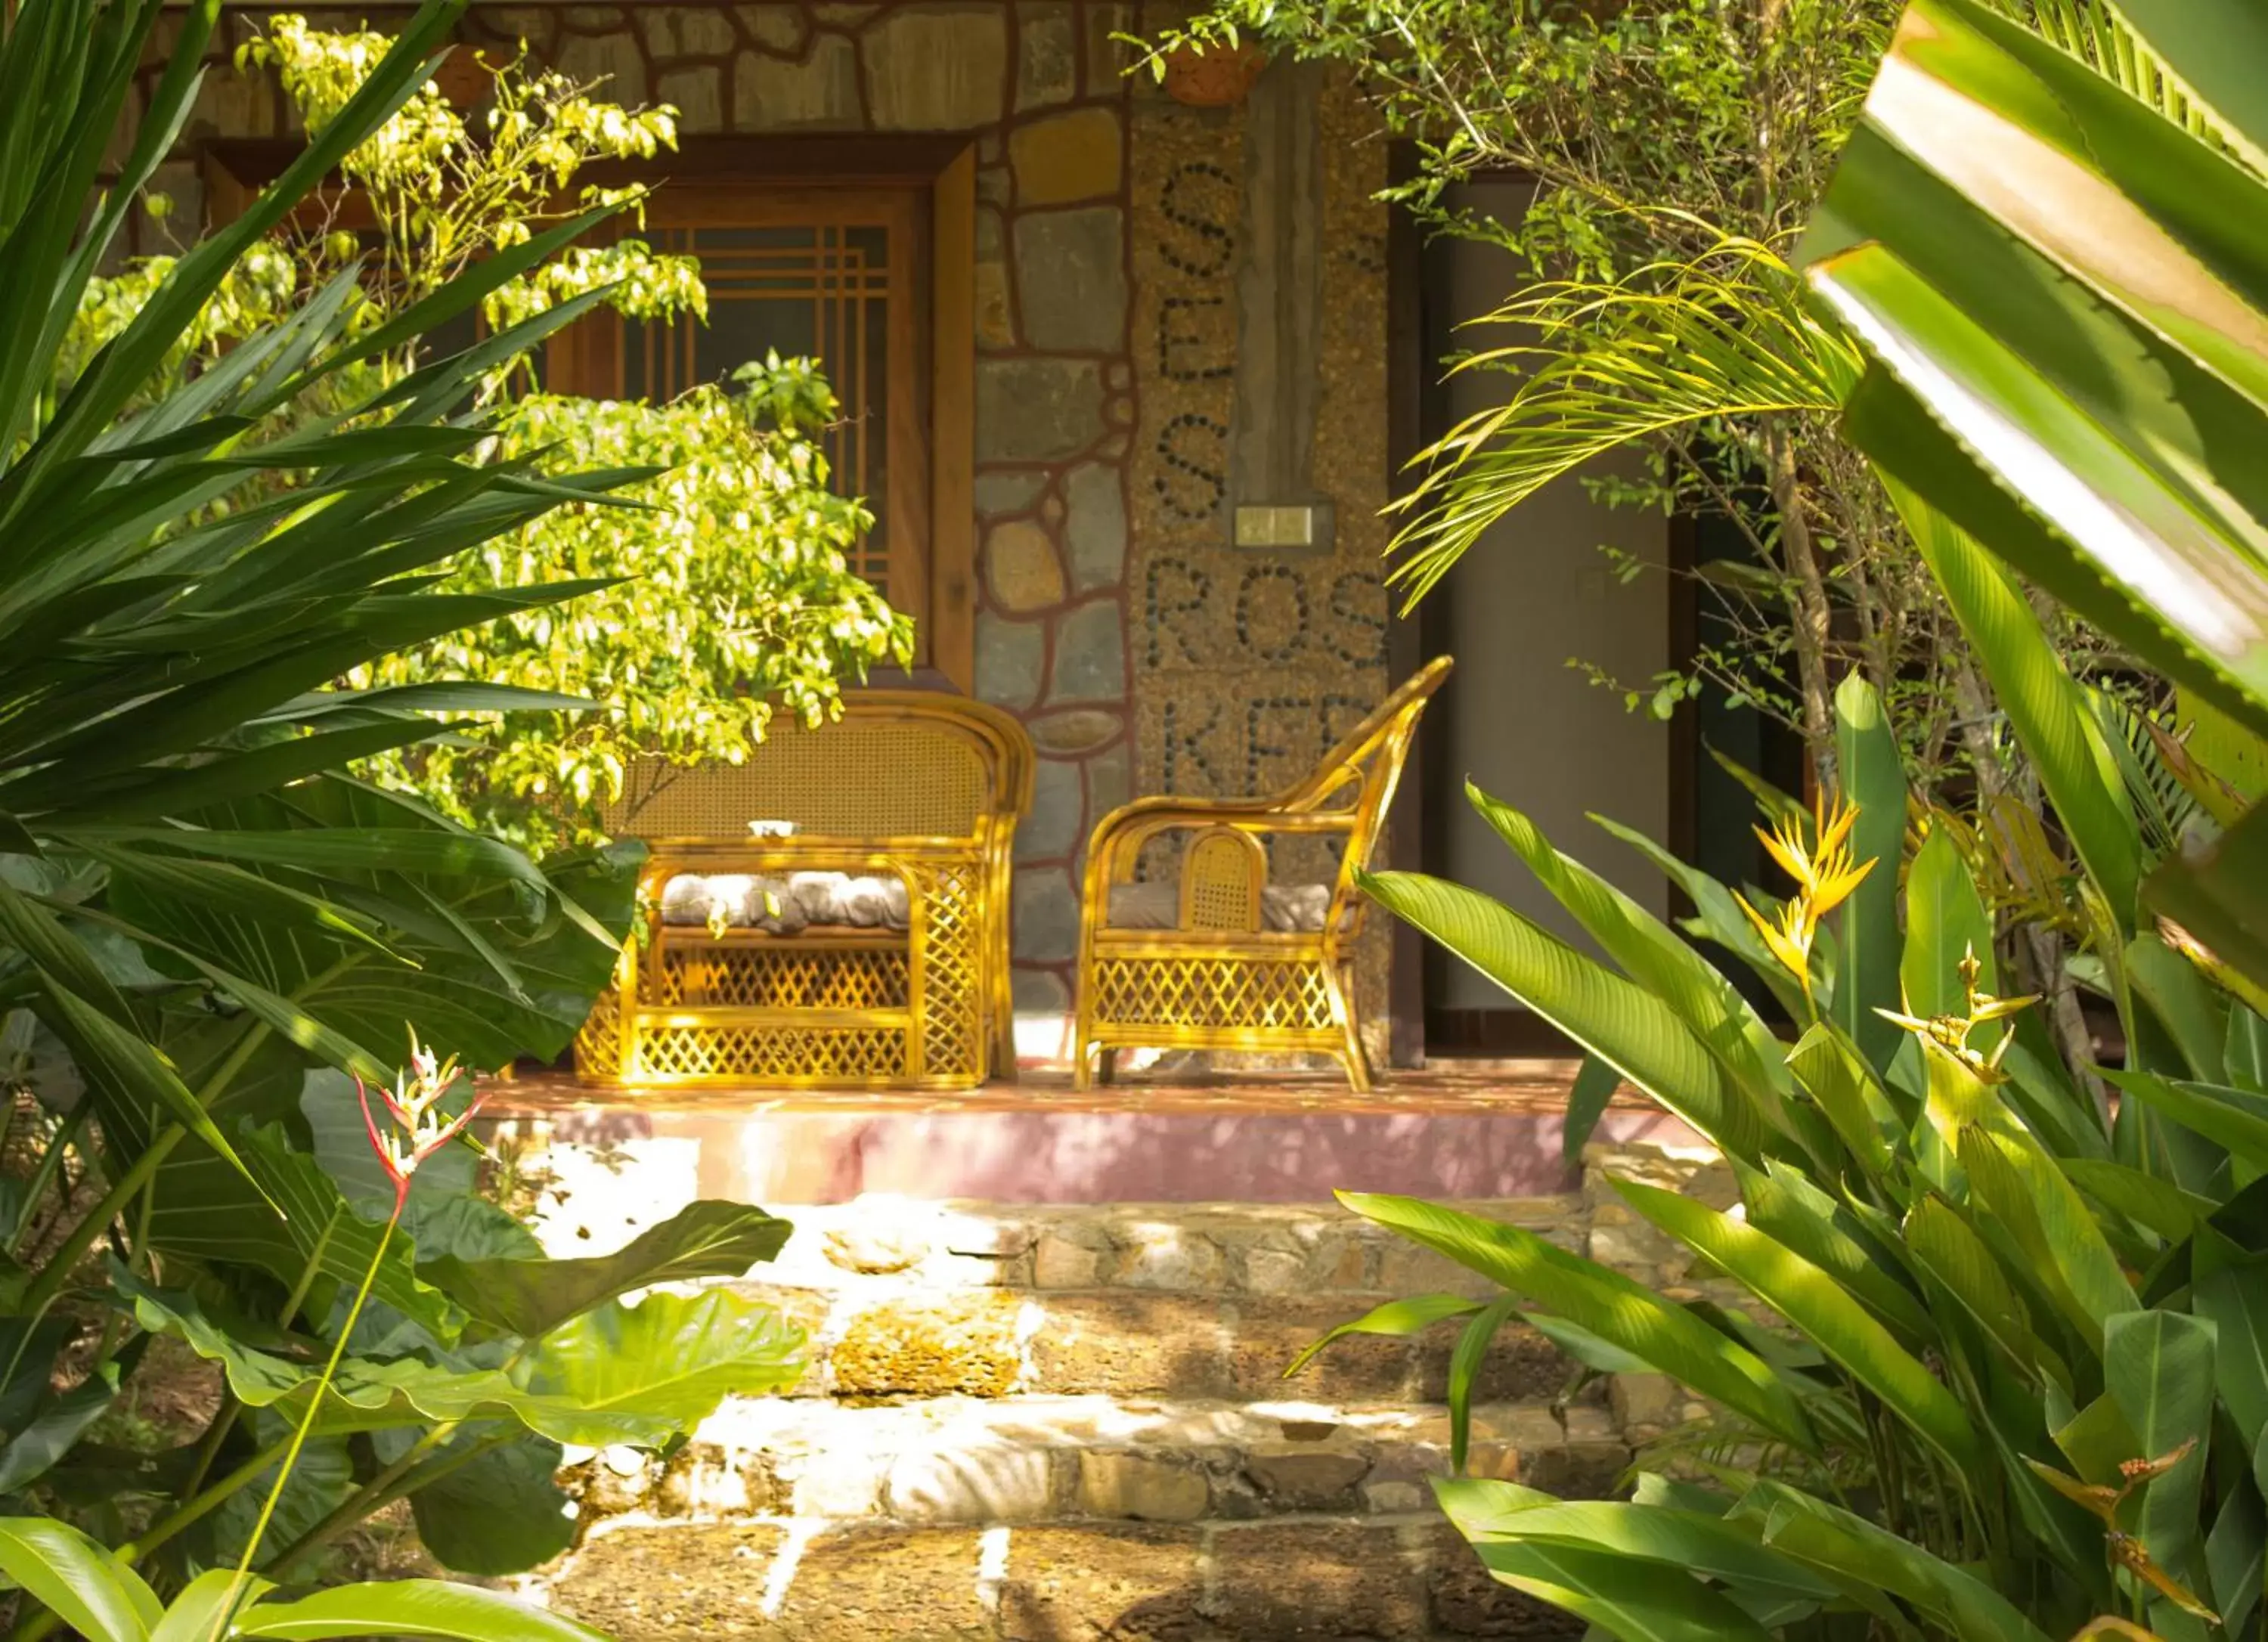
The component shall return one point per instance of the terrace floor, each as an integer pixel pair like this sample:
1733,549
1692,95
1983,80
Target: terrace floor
1459,1130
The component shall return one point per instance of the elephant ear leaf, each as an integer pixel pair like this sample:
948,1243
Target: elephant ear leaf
530,1297
501,1512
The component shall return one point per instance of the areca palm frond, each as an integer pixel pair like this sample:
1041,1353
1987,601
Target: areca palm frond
1672,346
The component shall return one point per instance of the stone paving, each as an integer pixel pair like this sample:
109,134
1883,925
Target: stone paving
1029,1423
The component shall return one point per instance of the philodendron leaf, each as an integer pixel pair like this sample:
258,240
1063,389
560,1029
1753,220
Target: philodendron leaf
207,1212
669,1356
33,1449
501,1512
709,1239
640,1375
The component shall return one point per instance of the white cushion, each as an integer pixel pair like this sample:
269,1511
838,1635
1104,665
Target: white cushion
1286,908
782,905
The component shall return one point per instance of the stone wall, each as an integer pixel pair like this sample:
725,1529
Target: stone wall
1142,651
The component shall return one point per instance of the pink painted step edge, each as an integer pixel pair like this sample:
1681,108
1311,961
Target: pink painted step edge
1086,1157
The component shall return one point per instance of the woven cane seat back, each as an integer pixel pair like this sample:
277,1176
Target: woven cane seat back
862,777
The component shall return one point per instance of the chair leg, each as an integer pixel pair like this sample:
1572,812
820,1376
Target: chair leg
1106,1067
1355,1056
1082,1074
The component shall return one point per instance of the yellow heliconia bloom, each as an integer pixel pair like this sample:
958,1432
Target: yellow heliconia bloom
1825,874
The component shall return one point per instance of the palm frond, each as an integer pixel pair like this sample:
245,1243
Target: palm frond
1672,347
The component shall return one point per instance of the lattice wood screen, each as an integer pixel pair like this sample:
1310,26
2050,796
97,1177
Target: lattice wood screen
818,291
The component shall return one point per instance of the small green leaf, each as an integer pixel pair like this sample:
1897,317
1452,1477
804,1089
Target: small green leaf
1396,1319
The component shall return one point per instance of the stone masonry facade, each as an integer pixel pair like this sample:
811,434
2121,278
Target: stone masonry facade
1036,1425
1142,652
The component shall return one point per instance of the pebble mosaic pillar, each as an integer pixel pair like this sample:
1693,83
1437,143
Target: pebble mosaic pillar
1249,666
1144,654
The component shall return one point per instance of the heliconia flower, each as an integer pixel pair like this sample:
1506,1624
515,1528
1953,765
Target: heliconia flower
1951,1033
1825,872
417,1126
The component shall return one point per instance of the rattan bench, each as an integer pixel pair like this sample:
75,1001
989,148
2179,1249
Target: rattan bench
868,948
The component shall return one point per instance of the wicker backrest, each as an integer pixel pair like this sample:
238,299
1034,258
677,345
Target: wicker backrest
1361,772
1375,748
899,764
1222,872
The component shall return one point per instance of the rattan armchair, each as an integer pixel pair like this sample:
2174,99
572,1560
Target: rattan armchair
905,814
1221,958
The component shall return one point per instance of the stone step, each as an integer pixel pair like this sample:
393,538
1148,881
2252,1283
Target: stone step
868,1346
1314,1578
1034,1458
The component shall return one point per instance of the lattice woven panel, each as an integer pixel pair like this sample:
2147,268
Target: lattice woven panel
598,1048
1213,992
953,935
771,1055
791,975
781,976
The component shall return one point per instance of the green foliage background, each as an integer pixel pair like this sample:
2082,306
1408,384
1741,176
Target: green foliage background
725,587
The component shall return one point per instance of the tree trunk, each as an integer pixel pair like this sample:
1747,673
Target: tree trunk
1813,616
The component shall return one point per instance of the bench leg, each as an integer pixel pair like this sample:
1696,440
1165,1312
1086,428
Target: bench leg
1091,1064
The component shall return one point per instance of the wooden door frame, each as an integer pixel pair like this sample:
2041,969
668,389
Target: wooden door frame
235,169
1413,402
1406,647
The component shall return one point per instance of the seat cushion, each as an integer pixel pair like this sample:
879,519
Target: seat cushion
784,904
1285,909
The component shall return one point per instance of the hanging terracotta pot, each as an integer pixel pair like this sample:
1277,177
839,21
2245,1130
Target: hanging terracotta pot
1216,76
